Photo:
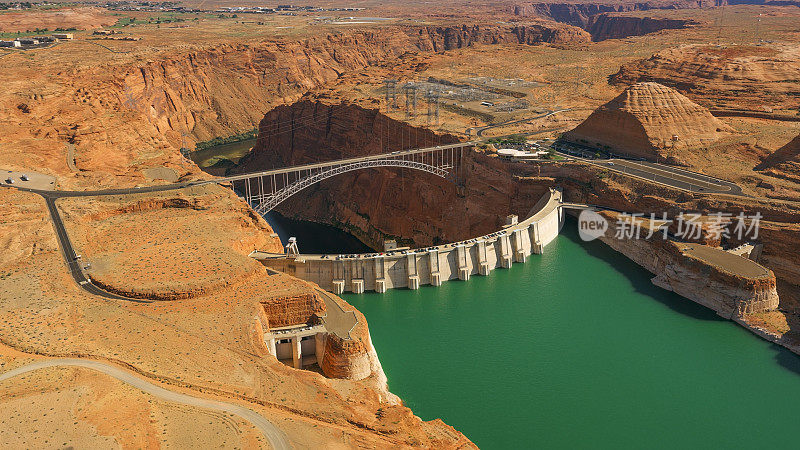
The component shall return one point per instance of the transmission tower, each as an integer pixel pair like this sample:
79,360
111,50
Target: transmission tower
433,105
390,94
410,91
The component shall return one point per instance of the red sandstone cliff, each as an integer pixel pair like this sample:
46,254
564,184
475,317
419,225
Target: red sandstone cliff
731,285
155,106
377,203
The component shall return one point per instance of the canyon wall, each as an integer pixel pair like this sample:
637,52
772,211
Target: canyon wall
374,204
609,26
155,102
191,93
422,209
579,14
784,162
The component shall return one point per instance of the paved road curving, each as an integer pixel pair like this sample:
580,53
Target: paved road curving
275,436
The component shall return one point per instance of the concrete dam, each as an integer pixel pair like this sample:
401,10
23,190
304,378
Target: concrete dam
430,265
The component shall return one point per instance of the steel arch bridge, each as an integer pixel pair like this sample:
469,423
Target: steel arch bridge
266,190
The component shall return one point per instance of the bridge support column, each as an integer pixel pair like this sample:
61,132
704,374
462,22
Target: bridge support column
413,282
463,274
357,286
272,347
380,286
319,347
297,353
338,287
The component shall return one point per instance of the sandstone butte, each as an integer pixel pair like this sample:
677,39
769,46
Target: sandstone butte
739,77
649,120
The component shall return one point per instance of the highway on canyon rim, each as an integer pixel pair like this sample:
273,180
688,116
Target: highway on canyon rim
651,172
277,439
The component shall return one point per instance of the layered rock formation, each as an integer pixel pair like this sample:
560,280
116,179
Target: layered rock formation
784,162
646,121
759,79
731,285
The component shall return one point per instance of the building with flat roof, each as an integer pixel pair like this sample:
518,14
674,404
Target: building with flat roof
10,44
65,36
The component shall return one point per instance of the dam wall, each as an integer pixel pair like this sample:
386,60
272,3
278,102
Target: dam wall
430,265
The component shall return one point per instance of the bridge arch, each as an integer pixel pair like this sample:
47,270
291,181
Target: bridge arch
266,190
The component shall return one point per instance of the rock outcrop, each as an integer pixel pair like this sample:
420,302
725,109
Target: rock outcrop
648,120
784,162
731,285
763,78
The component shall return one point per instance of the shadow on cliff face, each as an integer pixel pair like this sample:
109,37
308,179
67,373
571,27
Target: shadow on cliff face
638,276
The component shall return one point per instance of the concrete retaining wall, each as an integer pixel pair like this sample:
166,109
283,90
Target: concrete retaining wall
431,265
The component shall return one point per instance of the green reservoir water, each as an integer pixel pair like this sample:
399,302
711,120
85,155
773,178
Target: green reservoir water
576,349
213,155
